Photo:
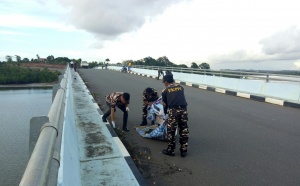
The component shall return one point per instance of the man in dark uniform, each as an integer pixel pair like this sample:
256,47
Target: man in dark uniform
168,72
175,106
120,100
149,96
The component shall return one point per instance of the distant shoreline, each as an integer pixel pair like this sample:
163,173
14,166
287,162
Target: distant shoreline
31,85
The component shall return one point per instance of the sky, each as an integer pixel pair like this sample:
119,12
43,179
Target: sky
232,34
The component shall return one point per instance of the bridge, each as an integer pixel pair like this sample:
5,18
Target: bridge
233,140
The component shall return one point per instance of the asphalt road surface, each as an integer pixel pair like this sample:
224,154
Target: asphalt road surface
233,141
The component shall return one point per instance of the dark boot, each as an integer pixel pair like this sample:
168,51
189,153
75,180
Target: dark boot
167,152
125,119
144,122
183,153
183,150
126,129
107,113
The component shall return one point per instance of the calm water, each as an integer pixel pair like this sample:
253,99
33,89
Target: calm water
17,107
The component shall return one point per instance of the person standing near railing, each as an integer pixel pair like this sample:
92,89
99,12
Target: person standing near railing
160,72
129,67
75,66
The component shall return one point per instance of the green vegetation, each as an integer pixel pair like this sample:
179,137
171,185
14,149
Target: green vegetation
164,61
50,59
93,64
148,61
15,74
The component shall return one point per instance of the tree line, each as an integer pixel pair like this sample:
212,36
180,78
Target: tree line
164,61
50,59
16,74
148,61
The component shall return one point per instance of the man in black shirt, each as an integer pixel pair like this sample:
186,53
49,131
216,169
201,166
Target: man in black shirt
175,106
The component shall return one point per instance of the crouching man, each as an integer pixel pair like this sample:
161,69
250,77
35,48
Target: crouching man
120,100
149,96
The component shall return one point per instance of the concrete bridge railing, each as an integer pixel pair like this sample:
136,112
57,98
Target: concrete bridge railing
284,88
43,166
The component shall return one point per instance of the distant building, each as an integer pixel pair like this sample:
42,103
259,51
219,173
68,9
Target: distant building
42,59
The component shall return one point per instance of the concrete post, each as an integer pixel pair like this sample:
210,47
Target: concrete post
36,124
55,87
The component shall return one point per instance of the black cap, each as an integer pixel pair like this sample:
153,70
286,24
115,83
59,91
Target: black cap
126,96
168,78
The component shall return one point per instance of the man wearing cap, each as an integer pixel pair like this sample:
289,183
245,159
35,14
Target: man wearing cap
175,106
120,100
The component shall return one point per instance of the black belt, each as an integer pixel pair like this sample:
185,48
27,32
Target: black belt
177,106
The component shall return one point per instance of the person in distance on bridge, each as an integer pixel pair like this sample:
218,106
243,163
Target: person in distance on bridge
149,96
175,105
120,100
129,67
160,72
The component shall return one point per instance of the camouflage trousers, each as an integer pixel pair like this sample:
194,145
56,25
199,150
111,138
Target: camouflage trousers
145,111
178,119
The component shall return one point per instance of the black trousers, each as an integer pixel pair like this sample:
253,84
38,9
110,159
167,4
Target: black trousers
123,109
160,72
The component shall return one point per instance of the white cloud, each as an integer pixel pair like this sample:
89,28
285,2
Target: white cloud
226,34
21,20
211,31
297,64
33,13
108,19
284,42
5,32
283,46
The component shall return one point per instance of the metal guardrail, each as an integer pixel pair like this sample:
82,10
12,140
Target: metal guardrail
226,73
42,168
